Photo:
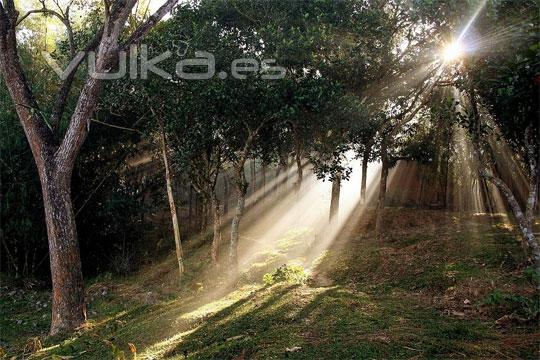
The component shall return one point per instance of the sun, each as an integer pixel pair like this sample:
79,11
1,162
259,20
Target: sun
452,51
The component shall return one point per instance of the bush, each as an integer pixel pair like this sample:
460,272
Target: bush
527,307
293,274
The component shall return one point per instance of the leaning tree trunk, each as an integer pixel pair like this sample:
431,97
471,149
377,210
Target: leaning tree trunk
363,186
382,191
334,200
523,220
241,188
216,241
68,304
172,205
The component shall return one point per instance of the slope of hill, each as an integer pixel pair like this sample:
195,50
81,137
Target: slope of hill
439,285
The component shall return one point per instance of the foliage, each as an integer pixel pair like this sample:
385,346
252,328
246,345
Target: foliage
292,274
528,307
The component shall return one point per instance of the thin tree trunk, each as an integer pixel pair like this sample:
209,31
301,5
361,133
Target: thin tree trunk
172,205
299,172
241,185
226,194
382,191
216,241
68,304
285,170
521,218
253,177
365,161
334,200
298,158
202,212
190,210
263,173
276,181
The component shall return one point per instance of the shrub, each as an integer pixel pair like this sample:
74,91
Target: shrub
527,307
293,274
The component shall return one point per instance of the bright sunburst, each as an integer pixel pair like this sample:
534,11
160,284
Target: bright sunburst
452,51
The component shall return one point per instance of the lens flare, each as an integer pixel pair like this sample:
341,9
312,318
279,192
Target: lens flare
452,51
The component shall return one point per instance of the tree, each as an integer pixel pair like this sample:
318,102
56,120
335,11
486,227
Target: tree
54,153
501,105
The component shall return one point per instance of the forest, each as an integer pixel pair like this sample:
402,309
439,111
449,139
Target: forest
269,179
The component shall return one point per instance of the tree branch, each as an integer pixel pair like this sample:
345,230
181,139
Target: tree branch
145,27
65,88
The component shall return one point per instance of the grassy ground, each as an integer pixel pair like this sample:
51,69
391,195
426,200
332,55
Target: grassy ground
439,285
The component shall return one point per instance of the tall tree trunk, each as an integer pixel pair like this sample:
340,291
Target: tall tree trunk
334,199
299,171
263,180
298,158
382,190
172,204
253,177
202,212
226,194
285,171
365,162
241,188
216,241
190,210
68,305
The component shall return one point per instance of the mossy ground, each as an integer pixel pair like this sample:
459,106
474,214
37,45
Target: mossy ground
417,294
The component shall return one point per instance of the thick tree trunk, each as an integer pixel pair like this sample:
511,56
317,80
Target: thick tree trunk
172,206
68,305
334,199
363,186
55,161
382,192
216,241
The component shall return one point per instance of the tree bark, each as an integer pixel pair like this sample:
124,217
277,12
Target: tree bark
298,158
521,219
275,188
55,161
241,191
172,205
190,210
382,190
299,171
226,194
216,241
263,180
334,199
253,177
363,186
68,304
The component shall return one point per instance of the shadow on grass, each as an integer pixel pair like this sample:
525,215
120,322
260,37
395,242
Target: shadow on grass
326,323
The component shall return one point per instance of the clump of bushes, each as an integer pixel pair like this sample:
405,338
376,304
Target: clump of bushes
522,306
292,274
